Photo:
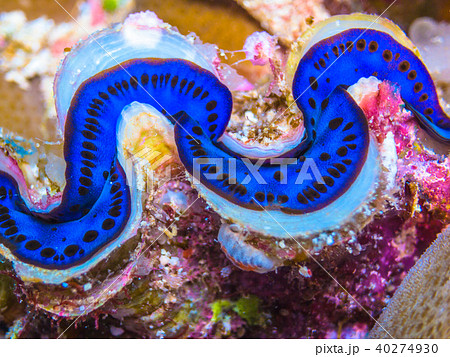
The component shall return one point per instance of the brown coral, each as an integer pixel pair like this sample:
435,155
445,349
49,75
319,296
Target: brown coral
419,308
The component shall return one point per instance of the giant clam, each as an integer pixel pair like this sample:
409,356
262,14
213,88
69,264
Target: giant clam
41,250
333,54
272,197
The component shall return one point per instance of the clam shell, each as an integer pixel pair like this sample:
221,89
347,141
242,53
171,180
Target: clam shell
112,46
343,211
336,24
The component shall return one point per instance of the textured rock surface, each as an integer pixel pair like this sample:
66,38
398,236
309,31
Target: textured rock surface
286,19
419,308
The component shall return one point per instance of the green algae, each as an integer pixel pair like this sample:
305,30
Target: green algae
111,5
219,307
246,307
6,292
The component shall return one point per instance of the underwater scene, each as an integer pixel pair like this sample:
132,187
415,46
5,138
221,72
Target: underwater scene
245,169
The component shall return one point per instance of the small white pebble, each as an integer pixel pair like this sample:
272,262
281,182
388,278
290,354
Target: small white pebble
164,260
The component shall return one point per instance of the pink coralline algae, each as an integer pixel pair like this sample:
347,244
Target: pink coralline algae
97,12
431,172
384,111
416,162
151,20
259,48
